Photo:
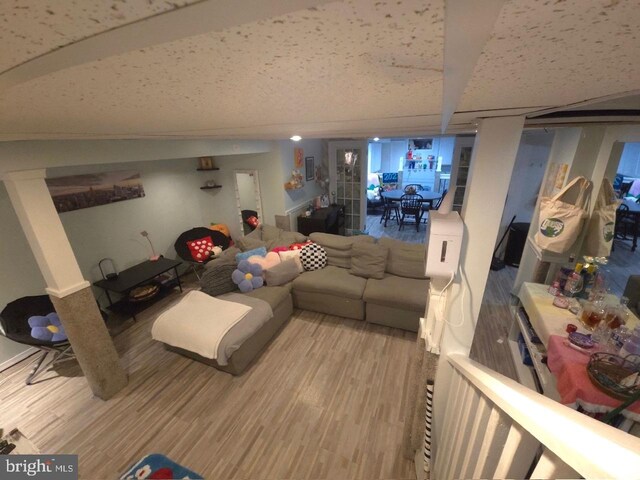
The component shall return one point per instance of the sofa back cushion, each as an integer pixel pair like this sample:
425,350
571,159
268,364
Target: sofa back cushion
368,260
405,259
338,248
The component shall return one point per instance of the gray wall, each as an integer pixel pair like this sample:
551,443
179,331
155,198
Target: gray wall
173,203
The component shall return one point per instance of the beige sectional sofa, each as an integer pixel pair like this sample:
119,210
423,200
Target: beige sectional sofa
396,298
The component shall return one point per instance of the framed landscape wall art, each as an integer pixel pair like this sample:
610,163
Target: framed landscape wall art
94,189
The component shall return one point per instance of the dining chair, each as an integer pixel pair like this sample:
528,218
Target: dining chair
411,205
389,207
426,207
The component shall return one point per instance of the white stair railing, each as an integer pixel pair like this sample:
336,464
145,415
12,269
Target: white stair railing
493,428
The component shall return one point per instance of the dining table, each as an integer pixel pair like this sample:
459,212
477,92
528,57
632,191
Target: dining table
427,195
634,213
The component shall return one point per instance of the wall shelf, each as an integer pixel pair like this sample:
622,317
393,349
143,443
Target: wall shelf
210,188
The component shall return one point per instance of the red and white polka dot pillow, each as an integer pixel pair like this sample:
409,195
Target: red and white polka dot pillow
201,249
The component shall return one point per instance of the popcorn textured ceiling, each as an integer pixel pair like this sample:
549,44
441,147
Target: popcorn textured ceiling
30,28
557,52
347,67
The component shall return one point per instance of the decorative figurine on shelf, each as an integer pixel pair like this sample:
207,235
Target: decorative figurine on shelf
295,182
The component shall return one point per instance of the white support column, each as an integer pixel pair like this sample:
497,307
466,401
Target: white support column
70,293
44,231
493,158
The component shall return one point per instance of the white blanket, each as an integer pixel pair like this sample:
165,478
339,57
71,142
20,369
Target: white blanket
197,323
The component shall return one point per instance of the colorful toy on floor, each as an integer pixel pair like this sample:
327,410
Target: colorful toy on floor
247,276
156,466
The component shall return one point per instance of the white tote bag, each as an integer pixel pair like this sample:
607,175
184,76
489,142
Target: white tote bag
561,222
602,224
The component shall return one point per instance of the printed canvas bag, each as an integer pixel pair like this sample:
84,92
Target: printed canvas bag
602,223
561,222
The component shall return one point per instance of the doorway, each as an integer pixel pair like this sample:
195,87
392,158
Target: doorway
248,199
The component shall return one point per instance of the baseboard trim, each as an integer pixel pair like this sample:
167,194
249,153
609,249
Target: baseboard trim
18,358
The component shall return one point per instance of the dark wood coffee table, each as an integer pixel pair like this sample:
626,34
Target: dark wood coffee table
141,274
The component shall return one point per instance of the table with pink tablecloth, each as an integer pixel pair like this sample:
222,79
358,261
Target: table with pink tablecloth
574,386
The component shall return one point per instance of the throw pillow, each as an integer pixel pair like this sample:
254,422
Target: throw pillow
299,246
256,251
271,259
282,273
292,255
201,249
216,279
368,260
247,276
313,257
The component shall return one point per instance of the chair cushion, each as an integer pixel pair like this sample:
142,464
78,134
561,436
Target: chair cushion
368,260
331,281
313,257
405,259
398,292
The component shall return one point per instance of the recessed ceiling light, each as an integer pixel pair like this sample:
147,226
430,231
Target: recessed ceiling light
296,138
376,139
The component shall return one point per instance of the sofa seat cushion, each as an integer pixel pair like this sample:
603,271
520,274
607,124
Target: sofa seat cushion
274,296
399,292
331,280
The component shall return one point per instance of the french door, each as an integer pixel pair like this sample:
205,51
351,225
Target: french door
348,181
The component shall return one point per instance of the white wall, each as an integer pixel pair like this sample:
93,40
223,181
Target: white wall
19,273
630,160
311,148
528,172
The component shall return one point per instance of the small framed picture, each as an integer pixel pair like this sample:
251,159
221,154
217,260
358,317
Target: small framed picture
309,168
205,163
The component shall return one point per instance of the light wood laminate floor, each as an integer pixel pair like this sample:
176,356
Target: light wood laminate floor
327,399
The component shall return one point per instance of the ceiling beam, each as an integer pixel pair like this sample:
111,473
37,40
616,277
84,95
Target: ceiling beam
195,19
467,28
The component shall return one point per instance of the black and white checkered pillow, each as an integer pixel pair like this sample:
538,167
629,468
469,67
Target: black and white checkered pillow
313,257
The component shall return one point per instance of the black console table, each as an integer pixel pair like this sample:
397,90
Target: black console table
138,275
326,220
